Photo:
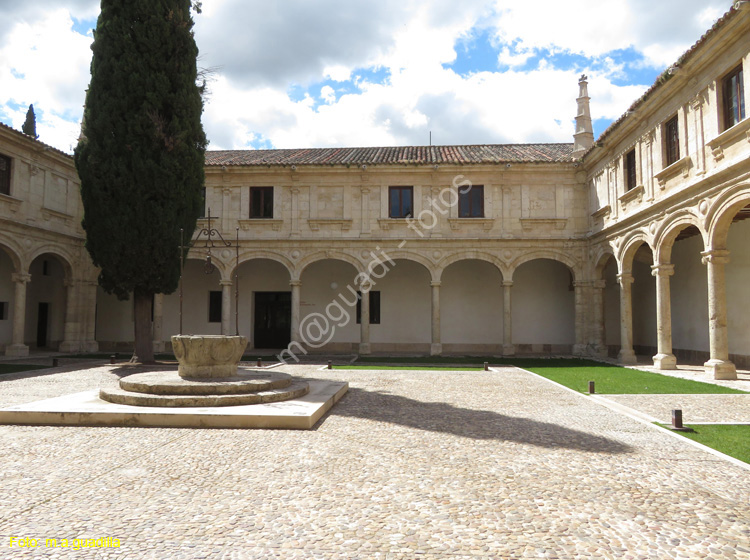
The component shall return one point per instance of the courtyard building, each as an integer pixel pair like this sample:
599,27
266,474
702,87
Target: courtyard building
630,244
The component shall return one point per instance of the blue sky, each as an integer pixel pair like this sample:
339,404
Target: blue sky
327,73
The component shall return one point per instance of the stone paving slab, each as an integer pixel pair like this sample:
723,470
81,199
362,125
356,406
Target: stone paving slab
415,464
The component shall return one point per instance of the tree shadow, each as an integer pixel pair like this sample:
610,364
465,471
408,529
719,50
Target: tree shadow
441,417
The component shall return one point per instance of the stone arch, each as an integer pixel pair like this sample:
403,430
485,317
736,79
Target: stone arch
720,216
220,266
230,268
628,249
601,259
553,255
419,259
14,254
65,259
667,233
327,255
472,255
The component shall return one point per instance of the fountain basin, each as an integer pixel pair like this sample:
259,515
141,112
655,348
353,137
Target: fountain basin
208,356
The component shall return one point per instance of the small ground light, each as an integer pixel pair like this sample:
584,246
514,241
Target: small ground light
677,421
486,366
591,388
329,365
260,362
55,362
112,358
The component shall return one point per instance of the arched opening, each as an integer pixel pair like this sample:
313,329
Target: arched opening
46,300
543,307
644,303
611,307
328,303
738,289
471,307
7,299
400,309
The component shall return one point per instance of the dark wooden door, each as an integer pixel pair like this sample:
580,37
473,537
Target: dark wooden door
273,319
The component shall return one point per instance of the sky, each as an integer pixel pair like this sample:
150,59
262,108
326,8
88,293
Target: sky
329,73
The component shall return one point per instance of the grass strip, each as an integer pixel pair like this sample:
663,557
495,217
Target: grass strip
732,440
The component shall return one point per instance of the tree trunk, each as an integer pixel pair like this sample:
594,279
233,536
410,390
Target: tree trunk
144,345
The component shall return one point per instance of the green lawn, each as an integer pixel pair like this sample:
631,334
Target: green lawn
730,440
14,368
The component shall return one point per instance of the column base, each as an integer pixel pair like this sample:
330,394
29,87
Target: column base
89,346
509,350
627,357
579,349
665,361
436,349
364,348
69,346
159,346
17,350
721,369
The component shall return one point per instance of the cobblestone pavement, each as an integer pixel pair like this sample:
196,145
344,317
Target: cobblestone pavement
430,465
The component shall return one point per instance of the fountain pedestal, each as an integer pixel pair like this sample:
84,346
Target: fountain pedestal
208,356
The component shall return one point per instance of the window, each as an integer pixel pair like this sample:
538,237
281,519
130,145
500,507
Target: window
214,307
4,175
3,310
203,202
471,201
733,97
630,179
400,202
45,268
671,141
374,307
261,202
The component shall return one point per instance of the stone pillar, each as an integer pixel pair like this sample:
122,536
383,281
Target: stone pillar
600,332
626,355
226,307
364,319
664,358
158,323
436,346
508,348
296,286
71,330
17,347
579,348
719,363
87,314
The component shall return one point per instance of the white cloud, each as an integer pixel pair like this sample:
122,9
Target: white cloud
328,94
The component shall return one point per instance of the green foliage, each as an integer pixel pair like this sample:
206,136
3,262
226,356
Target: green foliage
141,155
732,440
29,126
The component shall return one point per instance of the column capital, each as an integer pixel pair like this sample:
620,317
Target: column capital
20,277
665,270
226,282
294,283
507,283
599,284
716,256
435,284
625,278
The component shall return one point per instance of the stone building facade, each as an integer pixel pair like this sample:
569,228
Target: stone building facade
618,246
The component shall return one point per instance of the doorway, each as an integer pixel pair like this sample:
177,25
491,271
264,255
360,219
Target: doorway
273,319
42,325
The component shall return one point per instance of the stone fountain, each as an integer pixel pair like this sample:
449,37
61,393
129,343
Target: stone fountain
208,375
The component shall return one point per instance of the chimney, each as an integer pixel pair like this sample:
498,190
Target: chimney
583,138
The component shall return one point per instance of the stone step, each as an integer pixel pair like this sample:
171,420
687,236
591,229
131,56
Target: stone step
120,396
170,383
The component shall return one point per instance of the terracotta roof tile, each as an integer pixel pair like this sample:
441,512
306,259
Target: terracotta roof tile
419,155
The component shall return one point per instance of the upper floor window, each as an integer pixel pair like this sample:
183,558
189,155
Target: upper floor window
671,141
4,175
471,201
203,202
400,202
630,177
261,202
733,97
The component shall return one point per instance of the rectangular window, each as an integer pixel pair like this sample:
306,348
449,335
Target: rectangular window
471,201
630,180
671,141
733,97
4,175
45,268
400,202
214,307
3,310
374,308
203,202
261,202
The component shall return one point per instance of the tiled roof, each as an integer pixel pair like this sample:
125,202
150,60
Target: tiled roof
420,155
30,139
666,75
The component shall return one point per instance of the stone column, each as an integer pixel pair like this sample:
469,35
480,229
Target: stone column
626,355
719,363
600,332
508,348
17,347
436,346
579,348
226,307
71,338
158,323
364,320
664,358
296,286
87,300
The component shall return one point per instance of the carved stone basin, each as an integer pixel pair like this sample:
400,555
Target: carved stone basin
208,356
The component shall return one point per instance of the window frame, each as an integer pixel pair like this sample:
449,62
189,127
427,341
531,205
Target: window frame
213,313
465,197
374,307
733,97
630,170
266,198
671,141
5,174
401,213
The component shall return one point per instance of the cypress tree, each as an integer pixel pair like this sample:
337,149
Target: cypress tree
141,153
29,126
